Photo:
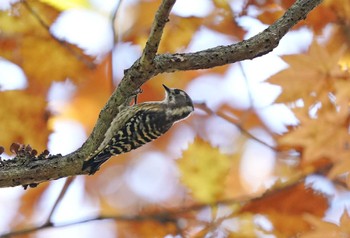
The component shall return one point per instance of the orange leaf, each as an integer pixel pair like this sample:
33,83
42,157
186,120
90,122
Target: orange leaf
285,207
326,137
178,33
24,119
327,229
271,13
146,229
315,71
28,43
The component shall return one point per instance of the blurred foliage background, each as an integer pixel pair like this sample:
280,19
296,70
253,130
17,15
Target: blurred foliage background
266,155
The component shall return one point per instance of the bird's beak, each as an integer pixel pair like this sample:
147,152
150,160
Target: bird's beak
166,88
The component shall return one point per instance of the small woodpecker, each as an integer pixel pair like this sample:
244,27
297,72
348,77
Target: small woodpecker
139,124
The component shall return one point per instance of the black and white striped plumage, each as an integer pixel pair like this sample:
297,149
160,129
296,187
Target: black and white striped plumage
139,124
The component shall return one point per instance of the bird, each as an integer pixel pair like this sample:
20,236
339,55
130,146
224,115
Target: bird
139,124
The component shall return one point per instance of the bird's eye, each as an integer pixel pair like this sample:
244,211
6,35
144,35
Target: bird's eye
176,91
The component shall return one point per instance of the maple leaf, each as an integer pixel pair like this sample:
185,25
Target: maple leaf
315,71
28,43
223,20
324,137
321,76
328,229
285,207
203,169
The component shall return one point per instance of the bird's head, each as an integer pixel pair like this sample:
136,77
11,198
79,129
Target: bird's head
179,101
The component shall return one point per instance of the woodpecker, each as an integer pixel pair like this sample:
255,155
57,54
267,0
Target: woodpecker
139,124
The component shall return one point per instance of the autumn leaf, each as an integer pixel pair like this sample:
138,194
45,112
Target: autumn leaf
285,207
142,15
338,39
223,20
147,229
66,4
340,167
26,42
327,229
270,10
315,70
271,13
23,119
316,138
340,7
175,42
203,169
320,74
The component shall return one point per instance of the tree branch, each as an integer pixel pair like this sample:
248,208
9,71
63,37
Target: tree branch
155,36
29,170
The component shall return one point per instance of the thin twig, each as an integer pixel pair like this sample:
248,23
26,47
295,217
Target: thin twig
250,96
116,35
65,187
152,44
63,43
117,38
205,108
160,217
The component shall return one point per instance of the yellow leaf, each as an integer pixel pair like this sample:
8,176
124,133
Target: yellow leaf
29,45
23,119
204,169
67,4
222,4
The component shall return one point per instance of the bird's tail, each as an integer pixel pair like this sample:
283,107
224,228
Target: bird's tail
92,164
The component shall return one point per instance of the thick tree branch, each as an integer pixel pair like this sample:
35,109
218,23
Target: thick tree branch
155,36
23,171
